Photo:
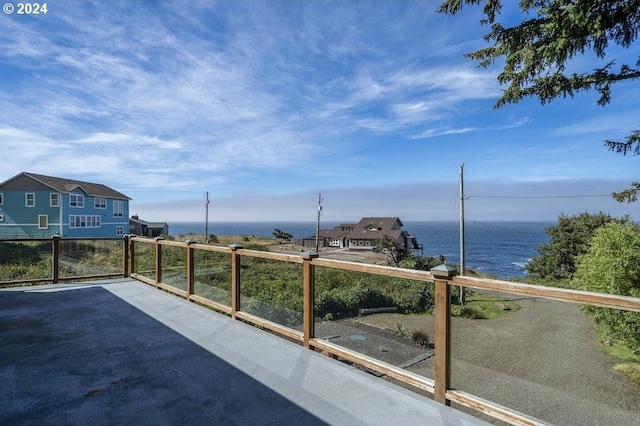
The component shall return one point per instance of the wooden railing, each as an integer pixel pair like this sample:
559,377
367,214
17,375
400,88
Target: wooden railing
57,254
443,281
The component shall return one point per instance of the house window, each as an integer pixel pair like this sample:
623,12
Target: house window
84,221
118,209
0,198
30,199
43,221
100,203
54,199
119,230
76,200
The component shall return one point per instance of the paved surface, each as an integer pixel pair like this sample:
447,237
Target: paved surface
121,352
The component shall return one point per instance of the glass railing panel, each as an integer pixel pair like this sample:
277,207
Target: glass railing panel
25,260
144,259
212,276
389,319
174,266
542,358
272,289
85,257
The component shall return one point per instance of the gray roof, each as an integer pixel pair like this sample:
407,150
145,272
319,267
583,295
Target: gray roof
68,185
368,228
149,224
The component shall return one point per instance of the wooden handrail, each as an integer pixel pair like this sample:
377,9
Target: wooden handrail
582,297
441,386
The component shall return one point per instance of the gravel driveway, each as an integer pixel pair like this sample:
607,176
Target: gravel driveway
543,360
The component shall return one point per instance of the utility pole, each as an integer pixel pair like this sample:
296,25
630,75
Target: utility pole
318,222
462,230
206,217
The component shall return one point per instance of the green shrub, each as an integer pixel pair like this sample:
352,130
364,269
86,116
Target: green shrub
612,265
346,302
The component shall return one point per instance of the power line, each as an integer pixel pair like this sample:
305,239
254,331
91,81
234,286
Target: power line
539,196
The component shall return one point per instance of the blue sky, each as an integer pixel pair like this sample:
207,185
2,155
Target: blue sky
264,104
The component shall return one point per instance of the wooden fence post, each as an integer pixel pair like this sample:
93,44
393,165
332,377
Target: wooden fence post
126,272
190,267
158,260
235,279
442,340
55,258
308,297
132,255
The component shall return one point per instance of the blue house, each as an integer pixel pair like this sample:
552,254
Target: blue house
38,206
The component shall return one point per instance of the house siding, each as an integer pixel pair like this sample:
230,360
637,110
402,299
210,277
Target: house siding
108,223
20,221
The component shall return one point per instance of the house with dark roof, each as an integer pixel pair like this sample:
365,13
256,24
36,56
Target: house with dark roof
143,228
364,234
39,206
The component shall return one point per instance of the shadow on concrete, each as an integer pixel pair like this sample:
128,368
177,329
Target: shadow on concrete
85,356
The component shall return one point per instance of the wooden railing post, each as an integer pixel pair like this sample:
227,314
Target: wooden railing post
308,297
132,255
235,279
55,258
190,267
442,340
158,260
125,257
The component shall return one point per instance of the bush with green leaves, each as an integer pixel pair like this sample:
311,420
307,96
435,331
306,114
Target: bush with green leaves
569,238
612,265
344,293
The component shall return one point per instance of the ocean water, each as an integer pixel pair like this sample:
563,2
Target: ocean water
497,248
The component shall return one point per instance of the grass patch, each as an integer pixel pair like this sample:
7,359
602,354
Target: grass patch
484,306
622,353
630,365
629,369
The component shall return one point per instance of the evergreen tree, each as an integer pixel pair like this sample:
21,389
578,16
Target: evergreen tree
281,235
569,238
536,53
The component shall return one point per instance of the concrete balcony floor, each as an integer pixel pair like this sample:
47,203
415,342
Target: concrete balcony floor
122,352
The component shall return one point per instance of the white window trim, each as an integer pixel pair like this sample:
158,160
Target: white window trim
85,221
46,221
79,201
120,211
119,231
101,205
51,204
26,199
